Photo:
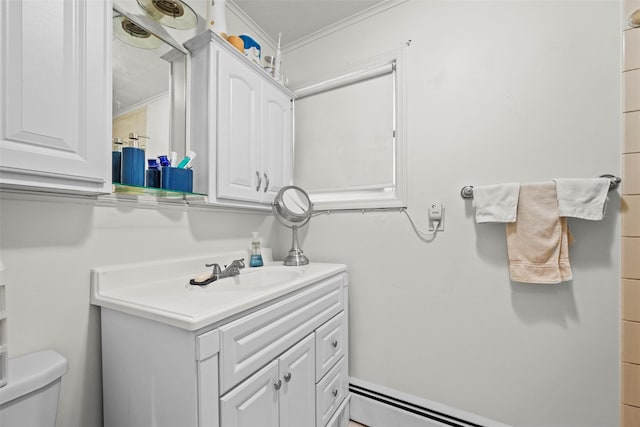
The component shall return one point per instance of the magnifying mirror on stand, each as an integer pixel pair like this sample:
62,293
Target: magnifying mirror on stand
293,208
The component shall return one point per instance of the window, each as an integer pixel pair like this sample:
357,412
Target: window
349,137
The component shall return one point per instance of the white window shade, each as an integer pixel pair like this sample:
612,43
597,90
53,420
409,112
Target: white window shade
345,137
350,136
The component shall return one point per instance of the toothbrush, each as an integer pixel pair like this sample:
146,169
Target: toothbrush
187,160
276,70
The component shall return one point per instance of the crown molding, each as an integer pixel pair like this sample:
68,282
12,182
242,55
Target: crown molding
324,32
248,21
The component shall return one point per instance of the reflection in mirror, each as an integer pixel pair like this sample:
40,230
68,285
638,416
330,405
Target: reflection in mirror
170,13
148,89
295,201
293,208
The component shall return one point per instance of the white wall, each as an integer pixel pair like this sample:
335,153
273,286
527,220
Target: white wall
498,92
49,246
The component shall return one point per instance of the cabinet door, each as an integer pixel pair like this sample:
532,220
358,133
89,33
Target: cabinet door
254,402
276,141
297,397
55,95
239,174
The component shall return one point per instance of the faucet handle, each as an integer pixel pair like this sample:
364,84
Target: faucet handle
216,268
238,263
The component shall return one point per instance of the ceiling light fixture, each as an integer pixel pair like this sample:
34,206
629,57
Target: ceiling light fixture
170,13
134,35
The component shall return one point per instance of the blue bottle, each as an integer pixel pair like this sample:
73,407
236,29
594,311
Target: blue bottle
133,166
153,174
116,160
256,254
133,162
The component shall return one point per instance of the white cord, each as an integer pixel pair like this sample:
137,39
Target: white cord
436,223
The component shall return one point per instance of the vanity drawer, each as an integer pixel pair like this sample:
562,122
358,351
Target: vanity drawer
330,392
341,417
331,343
251,342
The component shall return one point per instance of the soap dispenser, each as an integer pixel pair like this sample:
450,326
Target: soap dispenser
133,163
256,254
116,160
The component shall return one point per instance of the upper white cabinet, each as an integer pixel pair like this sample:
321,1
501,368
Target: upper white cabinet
241,124
55,90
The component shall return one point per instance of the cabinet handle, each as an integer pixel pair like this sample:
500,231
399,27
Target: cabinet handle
335,392
266,182
278,384
259,181
334,343
287,376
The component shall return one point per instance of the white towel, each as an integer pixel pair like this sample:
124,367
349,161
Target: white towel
496,203
582,198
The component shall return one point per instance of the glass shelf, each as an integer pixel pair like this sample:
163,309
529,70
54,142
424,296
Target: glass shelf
150,191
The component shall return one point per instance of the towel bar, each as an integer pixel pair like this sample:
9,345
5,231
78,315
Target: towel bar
467,190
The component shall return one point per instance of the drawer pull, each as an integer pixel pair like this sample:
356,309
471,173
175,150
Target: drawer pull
335,392
278,384
287,376
334,343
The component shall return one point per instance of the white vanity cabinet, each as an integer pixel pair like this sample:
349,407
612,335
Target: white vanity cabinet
55,127
282,362
281,394
241,124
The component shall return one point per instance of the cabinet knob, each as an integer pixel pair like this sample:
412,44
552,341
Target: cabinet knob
266,182
287,376
334,343
278,384
259,181
335,392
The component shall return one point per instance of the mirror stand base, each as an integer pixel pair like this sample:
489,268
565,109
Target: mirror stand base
296,257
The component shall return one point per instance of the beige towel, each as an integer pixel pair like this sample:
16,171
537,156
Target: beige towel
538,242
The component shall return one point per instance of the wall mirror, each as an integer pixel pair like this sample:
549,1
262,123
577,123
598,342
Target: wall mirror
349,136
149,87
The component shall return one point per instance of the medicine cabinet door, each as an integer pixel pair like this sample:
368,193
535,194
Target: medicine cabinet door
276,141
54,132
239,173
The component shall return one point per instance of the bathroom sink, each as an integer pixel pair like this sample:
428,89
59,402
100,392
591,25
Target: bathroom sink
161,291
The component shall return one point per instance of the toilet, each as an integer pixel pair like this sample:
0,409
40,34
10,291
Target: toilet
30,398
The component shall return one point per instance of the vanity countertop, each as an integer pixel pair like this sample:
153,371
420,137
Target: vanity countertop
161,291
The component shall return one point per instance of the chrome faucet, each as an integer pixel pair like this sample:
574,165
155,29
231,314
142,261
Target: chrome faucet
232,269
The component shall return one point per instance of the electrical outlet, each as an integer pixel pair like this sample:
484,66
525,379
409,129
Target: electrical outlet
436,213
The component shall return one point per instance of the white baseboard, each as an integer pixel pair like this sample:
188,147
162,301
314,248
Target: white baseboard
377,406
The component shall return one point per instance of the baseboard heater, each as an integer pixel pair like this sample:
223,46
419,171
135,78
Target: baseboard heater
376,409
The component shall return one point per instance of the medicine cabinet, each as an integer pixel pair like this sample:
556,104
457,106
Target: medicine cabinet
149,86
241,125
54,96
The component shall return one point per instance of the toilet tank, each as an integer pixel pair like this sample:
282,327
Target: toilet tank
30,398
